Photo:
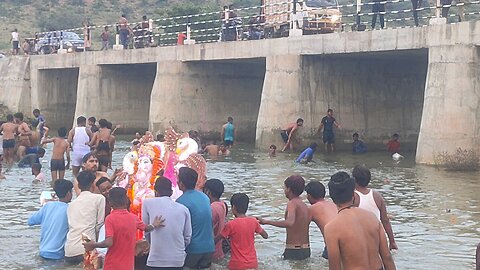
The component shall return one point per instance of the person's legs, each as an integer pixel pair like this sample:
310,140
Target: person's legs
205,261
415,12
382,21
374,20
296,254
445,8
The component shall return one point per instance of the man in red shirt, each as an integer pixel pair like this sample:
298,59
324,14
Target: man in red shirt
241,232
393,146
120,233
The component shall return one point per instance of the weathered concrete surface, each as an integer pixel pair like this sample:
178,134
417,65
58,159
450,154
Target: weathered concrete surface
55,95
201,96
15,83
451,111
119,93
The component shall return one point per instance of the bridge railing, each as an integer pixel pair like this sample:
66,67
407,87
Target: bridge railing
253,22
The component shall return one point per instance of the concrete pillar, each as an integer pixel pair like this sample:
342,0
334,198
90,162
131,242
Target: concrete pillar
280,102
15,90
201,95
451,110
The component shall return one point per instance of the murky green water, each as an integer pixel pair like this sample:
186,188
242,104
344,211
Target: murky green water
417,197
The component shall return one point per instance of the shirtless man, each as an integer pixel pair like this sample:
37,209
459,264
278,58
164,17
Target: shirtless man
371,200
60,148
355,238
92,124
101,143
297,220
9,130
23,130
78,138
322,211
288,133
223,150
90,163
211,149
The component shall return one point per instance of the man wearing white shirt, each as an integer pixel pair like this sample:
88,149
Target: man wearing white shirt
15,39
86,214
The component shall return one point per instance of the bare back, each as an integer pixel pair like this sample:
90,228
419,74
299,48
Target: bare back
289,127
356,240
298,234
9,129
60,146
322,213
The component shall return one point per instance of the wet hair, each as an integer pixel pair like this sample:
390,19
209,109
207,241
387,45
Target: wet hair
37,166
41,151
315,189
273,146
329,110
144,17
362,175
296,184
117,197
230,119
19,115
92,119
88,156
103,123
188,177
101,181
81,120
62,187
313,146
62,132
355,135
163,186
240,202
36,111
9,118
215,187
299,120
395,136
109,125
85,180
341,187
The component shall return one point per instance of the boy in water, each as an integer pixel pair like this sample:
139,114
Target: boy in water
120,233
307,155
355,238
60,148
214,189
9,130
241,232
37,172
322,211
358,146
30,159
272,151
393,146
223,150
53,219
288,133
297,221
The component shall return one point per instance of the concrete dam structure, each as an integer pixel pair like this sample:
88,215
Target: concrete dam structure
421,83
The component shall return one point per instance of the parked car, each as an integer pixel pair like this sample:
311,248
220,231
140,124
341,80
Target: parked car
50,42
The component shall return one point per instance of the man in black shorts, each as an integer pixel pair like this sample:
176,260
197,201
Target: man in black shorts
327,125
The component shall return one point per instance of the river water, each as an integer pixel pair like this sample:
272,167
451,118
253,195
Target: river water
435,214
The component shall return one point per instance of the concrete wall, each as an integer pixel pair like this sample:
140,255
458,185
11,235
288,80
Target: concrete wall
451,112
15,83
55,95
201,96
118,93
375,95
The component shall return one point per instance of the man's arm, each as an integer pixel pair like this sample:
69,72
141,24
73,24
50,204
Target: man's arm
70,136
45,140
36,218
385,254
333,247
93,141
67,153
319,128
187,229
384,218
287,223
89,133
89,246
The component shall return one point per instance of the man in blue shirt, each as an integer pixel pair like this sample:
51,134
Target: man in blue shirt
228,132
358,146
53,219
307,154
201,247
40,121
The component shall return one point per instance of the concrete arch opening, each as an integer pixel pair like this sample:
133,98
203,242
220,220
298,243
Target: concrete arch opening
57,95
375,94
118,93
201,95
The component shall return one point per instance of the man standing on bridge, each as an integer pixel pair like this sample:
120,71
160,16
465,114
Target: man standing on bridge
327,125
124,31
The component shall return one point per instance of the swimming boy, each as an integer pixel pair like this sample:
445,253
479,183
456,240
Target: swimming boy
53,219
297,220
272,151
307,155
241,232
61,148
223,150
358,146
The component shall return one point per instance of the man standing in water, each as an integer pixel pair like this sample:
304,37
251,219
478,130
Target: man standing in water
23,130
288,133
228,133
322,211
328,135
297,221
79,137
371,200
9,129
355,238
